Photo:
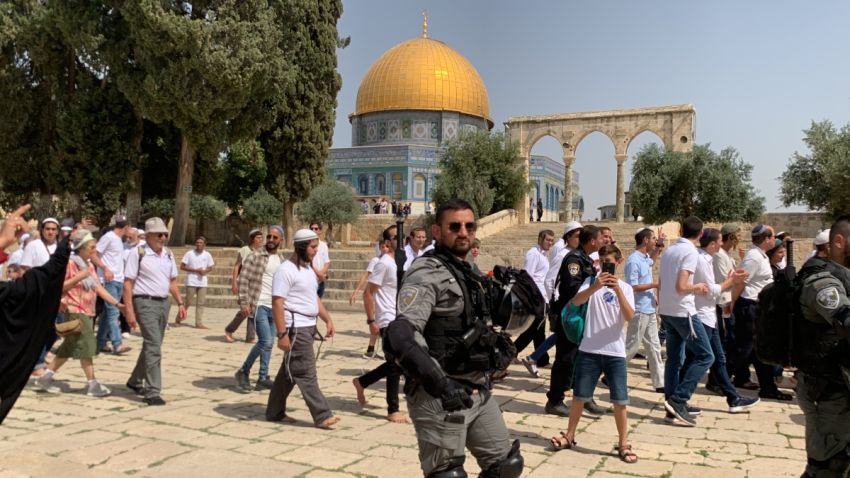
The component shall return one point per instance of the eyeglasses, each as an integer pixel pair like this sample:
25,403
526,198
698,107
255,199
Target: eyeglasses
470,226
162,234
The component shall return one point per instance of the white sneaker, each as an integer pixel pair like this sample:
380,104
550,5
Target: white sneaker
126,335
97,389
45,384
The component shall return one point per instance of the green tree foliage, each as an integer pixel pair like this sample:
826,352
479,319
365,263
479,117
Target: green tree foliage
261,208
668,185
820,179
66,128
210,68
479,168
330,203
162,208
207,207
243,172
297,145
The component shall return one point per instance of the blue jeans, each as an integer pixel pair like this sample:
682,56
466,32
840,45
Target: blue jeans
266,334
544,347
718,369
679,337
109,325
589,367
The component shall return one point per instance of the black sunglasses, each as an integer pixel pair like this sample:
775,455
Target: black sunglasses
162,234
470,226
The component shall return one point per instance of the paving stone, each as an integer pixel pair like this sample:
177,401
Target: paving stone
320,457
770,467
684,470
211,463
147,455
380,467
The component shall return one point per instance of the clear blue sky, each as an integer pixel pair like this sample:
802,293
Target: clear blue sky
758,72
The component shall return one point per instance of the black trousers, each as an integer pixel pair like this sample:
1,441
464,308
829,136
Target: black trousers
745,311
563,368
391,372
537,334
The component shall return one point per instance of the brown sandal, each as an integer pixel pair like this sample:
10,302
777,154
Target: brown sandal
558,444
626,454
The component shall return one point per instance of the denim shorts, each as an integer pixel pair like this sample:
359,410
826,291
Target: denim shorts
589,367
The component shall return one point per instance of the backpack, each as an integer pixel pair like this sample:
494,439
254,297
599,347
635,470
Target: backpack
573,318
778,308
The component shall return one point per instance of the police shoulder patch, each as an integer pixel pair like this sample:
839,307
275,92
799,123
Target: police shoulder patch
573,268
406,296
828,298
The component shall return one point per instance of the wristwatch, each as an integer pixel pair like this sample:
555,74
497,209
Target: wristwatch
370,321
281,335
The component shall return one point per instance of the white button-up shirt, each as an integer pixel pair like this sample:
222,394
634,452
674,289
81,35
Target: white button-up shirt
756,264
537,265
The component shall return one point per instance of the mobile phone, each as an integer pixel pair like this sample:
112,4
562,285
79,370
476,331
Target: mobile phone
608,267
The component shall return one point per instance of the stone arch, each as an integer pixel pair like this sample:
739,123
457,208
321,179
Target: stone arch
673,124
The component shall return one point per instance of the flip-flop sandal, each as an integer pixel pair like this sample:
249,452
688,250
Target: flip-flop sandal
558,445
626,454
328,423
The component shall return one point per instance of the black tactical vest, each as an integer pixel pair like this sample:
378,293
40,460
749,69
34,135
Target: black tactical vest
819,348
465,343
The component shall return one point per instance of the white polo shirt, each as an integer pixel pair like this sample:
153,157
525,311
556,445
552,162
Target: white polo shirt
37,254
756,264
110,247
298,288
706,304
682,255
194,260
537,265
384,276
153,274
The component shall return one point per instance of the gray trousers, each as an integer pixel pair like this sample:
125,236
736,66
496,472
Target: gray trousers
826,407
442,441
152,316
643,329
298,368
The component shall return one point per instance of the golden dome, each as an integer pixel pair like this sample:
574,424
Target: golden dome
423,74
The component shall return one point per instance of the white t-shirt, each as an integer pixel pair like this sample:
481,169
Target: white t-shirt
298,288
537,265
322,257
604,333
266,291
372,262
37,254
193,260
757,264
110,247
706,304
723,265
682,255
16,257
384,276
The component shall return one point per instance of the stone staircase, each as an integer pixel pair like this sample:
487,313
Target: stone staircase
346,267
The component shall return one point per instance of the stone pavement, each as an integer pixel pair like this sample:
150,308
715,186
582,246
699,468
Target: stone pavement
207,429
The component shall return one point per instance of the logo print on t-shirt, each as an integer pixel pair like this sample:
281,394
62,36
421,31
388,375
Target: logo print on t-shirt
608,296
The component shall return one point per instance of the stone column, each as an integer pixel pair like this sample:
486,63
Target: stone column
568,187
621,186
522,206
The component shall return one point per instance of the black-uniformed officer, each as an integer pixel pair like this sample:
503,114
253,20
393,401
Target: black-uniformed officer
821,352
576,267
433,339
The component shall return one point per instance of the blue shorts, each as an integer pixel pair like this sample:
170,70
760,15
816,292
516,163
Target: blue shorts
589,367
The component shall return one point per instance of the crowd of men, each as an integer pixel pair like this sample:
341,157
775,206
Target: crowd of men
702,307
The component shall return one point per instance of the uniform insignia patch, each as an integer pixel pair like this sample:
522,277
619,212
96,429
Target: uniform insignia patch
573,269
829,298
406,297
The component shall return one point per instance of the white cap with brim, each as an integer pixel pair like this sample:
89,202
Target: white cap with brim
304,235
822,238
572,226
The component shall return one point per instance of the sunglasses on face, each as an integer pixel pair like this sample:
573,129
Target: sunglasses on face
162,234
470,226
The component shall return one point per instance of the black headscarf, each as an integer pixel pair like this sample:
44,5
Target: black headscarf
28,308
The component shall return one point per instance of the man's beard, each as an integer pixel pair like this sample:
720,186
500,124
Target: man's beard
271,248
459,250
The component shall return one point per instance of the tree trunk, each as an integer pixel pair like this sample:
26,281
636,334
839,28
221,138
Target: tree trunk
134,195
329,235
185,168
288,223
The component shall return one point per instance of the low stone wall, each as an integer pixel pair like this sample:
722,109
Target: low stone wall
798,224
498,222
